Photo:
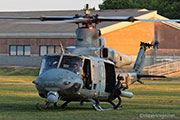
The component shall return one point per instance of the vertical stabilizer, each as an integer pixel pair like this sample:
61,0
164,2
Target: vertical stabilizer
139,63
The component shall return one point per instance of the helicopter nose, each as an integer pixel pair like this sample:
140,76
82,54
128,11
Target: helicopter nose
58,80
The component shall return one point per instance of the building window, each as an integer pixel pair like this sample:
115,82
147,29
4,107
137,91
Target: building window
49,49
20,50
27,50
57,49
43,50
12,50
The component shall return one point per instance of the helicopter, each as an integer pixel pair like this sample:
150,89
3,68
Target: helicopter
86,72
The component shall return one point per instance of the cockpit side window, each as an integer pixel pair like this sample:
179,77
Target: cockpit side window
72,63
49,62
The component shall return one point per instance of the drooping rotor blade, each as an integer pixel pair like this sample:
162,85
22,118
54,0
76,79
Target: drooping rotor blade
75,20
60,18
132,19
99,18
84,19
42,18
23,18
158,20
56,18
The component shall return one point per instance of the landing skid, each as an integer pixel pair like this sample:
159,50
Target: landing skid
45,107
96,106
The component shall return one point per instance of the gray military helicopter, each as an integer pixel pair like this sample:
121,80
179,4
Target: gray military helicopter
86,72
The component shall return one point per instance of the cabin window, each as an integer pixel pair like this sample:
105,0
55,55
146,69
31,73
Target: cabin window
110,77
120,58
94,87
105,52
87,74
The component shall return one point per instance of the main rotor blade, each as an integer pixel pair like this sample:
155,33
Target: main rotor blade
16,17
42,18
57,18
132,19
76,20
99,18
158,20
82,19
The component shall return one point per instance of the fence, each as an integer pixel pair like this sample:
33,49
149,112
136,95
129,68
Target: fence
164,68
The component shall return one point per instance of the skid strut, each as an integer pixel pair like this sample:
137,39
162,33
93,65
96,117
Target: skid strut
118,105
43,107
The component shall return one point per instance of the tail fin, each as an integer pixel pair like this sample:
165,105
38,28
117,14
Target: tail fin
139,63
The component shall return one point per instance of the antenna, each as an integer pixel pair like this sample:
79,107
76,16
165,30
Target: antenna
62,49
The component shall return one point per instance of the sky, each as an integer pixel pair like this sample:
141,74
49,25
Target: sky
33,5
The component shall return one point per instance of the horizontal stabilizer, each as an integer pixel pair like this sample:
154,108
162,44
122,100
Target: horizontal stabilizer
151,76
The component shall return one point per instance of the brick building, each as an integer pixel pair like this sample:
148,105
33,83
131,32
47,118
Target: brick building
24,45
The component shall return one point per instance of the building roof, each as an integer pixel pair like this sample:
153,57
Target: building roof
6,26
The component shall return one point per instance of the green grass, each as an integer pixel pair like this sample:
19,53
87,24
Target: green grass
19,71
18,74
17,79
6,70
17,103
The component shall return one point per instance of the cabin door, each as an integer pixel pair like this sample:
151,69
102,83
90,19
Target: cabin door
110,77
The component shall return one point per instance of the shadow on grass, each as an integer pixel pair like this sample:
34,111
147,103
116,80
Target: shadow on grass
30,107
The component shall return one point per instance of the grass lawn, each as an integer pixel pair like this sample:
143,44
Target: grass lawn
19,71
17,79
18,74
153,101
150,101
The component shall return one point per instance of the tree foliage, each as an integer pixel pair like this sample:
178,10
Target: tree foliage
167,8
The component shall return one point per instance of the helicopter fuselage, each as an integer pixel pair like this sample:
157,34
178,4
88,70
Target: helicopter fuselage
77,78
86,72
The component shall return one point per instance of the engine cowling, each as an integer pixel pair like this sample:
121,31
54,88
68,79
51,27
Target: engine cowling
118,58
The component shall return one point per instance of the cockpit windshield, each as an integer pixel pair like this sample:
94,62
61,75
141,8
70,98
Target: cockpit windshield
72,63
49,62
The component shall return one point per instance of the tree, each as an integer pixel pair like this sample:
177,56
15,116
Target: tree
167,8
